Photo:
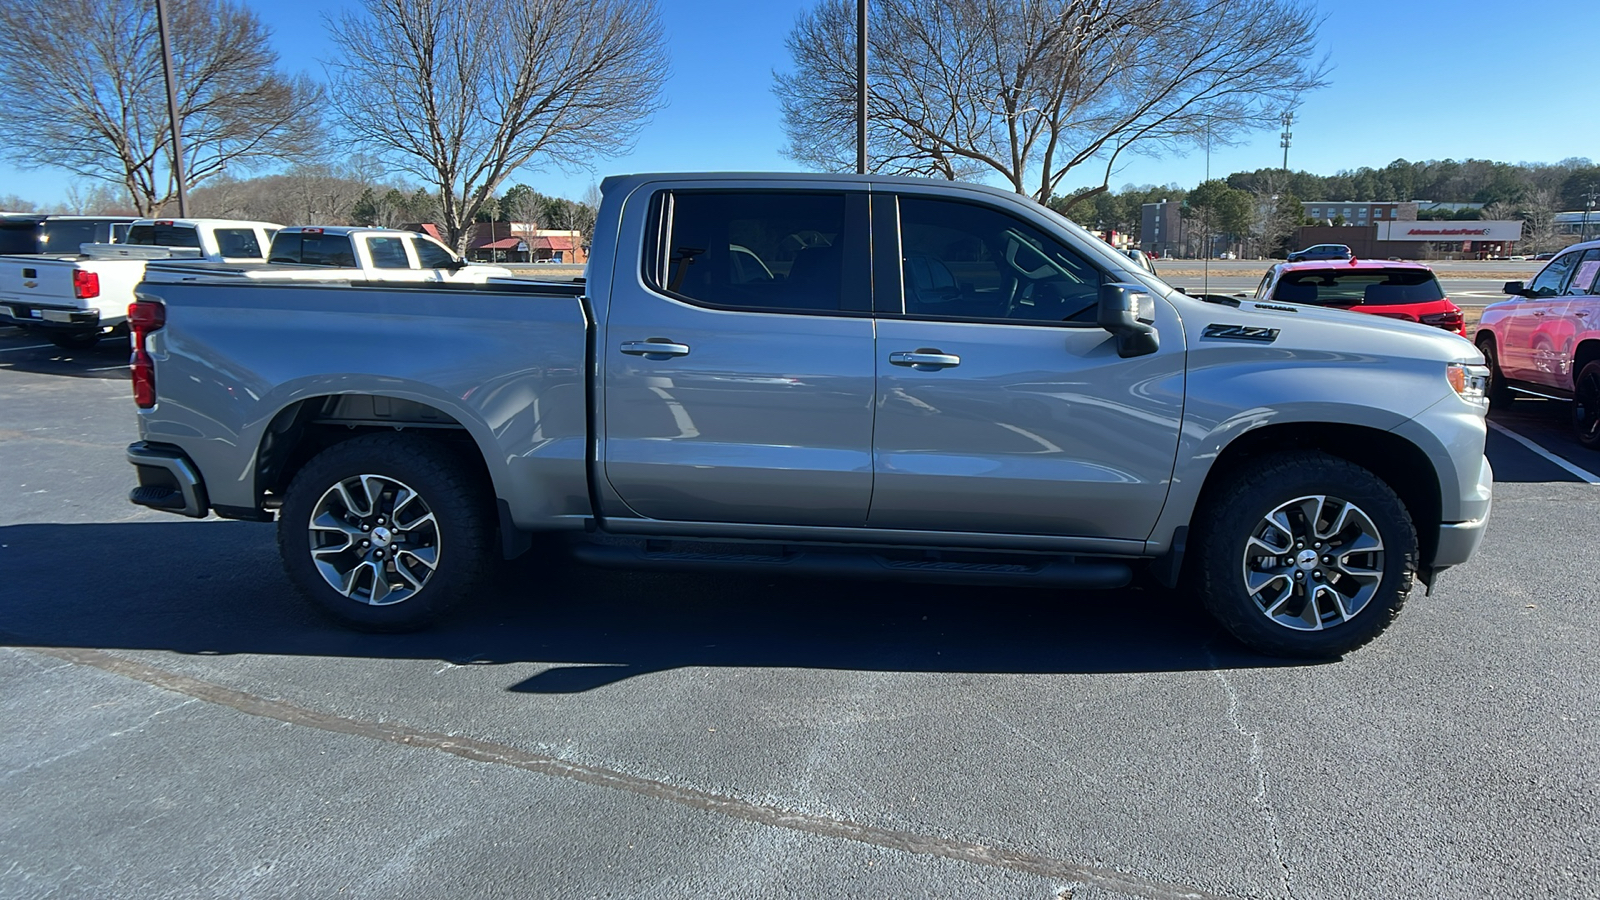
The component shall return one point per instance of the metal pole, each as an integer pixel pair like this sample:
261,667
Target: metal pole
172,109
861,87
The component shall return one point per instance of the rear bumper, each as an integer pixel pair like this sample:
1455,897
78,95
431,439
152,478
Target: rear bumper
168,481
54,318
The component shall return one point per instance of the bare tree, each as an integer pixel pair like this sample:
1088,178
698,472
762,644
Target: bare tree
314,194
88,73
1033,89
463,94
13,203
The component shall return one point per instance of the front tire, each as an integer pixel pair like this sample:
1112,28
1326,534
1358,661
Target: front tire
1306,555
385,532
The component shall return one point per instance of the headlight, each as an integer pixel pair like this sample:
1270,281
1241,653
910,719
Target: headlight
1469,380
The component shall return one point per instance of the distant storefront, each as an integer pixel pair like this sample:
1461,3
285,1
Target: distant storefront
1419,239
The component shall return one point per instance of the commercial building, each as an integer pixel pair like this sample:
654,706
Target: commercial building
1359,212
1160,228
1429,239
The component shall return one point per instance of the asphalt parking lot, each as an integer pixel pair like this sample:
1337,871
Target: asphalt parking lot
178,724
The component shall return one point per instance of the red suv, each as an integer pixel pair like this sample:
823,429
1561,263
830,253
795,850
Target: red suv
1398,290
1545,340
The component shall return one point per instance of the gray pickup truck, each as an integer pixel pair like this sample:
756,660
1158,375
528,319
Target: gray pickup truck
863,377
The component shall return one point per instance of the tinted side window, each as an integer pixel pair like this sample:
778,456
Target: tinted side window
1584,280
765,250
973,262
164,236
19,237
238,243
67,237
1553,279
327,250
388,253
431,255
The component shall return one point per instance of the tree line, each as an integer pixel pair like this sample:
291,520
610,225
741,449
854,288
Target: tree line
1260,209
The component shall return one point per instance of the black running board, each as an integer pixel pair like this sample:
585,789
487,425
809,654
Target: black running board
1055,572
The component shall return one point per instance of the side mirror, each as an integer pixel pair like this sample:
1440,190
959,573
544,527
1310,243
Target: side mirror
1515,289
1128,311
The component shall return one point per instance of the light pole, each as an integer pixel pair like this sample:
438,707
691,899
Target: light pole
172,109
861,87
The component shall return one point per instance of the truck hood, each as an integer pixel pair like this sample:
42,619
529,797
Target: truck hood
1318,328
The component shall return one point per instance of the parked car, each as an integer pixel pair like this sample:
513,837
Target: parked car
1543,256
1015,403
1545,340
1322,251
1395,290
341,253
1142,259
74,299
34,233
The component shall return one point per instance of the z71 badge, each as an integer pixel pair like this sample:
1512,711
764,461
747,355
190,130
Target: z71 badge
1241,333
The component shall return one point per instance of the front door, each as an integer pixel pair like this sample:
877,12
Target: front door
739,363
1001,406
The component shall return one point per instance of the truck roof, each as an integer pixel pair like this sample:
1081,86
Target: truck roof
206,223
347,230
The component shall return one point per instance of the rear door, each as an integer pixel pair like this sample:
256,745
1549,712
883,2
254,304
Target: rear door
738,358
1002,407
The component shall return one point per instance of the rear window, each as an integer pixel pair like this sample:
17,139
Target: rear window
238,243
313,249
1358,287
164,236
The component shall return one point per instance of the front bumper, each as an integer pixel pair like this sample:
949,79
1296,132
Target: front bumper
168,481
1459,540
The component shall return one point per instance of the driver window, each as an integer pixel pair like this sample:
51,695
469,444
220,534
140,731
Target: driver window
1553,279
965,261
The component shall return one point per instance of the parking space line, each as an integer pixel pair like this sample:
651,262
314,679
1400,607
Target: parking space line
33,347
1582,473
108,368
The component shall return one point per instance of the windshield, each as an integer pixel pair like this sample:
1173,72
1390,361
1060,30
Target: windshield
1358,287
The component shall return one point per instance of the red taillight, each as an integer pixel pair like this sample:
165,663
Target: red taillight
144,318
1451,320
85,285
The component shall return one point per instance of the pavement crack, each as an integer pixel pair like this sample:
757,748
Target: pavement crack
735,807
95,742
1262,800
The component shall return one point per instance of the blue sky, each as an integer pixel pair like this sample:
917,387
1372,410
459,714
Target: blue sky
1412,79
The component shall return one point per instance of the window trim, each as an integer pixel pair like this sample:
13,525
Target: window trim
854,237
886,311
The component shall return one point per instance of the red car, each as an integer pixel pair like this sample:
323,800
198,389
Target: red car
1399,290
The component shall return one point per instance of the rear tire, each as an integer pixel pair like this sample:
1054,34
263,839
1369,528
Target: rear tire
385,532
74,340
1305,555
1586,405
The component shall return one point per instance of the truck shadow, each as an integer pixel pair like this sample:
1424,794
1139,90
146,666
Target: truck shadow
217,588
23,352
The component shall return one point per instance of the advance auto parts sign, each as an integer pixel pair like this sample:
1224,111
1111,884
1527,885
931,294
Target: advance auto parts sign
1450,231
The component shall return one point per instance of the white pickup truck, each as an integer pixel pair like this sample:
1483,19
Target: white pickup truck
75,299
343,253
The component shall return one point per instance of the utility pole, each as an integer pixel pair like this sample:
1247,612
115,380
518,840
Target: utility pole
1588,206
172,109
1286,139
861,87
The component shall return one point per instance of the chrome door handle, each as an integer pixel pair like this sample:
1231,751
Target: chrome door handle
1580,314
655,348
932,359
1538,312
